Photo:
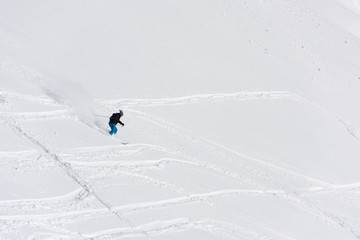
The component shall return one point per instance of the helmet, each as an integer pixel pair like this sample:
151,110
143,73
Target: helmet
121,112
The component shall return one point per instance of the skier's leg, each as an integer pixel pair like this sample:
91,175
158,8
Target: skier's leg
115,129
112,128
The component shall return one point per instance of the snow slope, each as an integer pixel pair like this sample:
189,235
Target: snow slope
241,117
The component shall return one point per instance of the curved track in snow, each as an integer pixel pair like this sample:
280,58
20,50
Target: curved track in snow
86,166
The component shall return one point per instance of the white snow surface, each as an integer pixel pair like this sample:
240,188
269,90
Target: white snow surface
241,117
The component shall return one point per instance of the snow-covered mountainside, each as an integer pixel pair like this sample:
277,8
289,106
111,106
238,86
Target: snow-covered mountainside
241,119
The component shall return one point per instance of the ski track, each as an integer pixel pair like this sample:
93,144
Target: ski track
12,125
71,167
39,116
158,163
292,195
142,206
171,202
63,202
198,98
238,96
138,149
227,152
183,224
147,230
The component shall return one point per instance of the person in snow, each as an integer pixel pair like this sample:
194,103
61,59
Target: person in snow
115,119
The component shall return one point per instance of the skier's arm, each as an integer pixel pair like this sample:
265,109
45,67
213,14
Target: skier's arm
121,123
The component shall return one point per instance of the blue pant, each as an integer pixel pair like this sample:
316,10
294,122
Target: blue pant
113,129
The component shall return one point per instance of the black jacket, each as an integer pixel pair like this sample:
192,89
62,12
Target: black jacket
115,119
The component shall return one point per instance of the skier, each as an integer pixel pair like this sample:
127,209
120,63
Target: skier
115,119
